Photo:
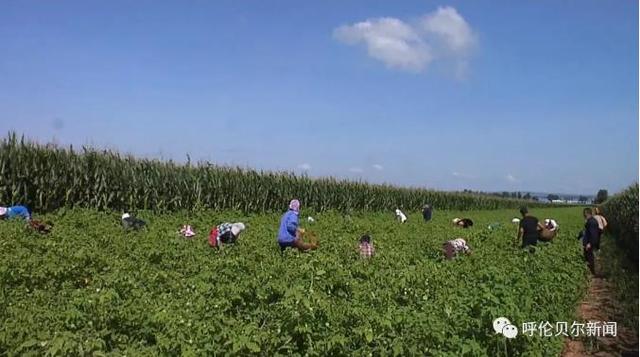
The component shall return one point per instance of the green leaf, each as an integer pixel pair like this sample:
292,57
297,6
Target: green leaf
253,347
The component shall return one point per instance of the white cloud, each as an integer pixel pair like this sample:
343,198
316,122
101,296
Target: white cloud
356,170
456,174
304,166
442,34
511,178
378,167
450,29
389,40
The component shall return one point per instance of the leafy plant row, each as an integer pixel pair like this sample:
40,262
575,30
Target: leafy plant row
89,288
48,177
621,211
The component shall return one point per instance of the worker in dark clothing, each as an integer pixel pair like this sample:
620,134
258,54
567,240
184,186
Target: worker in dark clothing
530,228
427,212
590,237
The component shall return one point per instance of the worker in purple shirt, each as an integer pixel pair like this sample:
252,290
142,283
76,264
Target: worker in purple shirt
289,233
590,237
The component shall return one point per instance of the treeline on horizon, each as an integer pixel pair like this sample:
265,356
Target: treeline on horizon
528,196
48,177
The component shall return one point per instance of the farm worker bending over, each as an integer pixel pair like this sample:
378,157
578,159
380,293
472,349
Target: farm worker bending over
453,247
400,216
529,228
289,233
15,212
366,247
590,237
226,233
130,222
427,212
464,222
549,230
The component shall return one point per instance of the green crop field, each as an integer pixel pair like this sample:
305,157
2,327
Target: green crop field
89,288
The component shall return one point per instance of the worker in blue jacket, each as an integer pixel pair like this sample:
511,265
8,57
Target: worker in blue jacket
289,233
15,212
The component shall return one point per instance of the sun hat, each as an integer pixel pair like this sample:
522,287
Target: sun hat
237,228
3,211
125,216
515,220
456,220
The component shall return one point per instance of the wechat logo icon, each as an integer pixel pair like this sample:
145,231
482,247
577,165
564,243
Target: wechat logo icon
503,326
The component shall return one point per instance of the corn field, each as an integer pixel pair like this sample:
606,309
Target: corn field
48,177
621,211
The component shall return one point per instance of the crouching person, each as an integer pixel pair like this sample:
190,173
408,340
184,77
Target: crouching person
366,247
549,230
289,233
130,222
463,222
15,212
454,247
225,233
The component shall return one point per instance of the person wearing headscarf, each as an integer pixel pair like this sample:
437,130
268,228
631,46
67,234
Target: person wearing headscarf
225,233
131,222
400,216
15,212
289,233
454,247
549,230
463,222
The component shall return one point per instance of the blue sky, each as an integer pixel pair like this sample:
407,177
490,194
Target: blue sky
499,95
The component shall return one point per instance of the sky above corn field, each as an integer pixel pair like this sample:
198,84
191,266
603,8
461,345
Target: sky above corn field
483,95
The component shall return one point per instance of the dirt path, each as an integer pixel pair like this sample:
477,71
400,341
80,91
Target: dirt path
600,305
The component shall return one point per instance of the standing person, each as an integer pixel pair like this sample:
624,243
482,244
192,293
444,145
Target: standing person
366,247
589,238
15,212
289,234
530,228
602,225
427,212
